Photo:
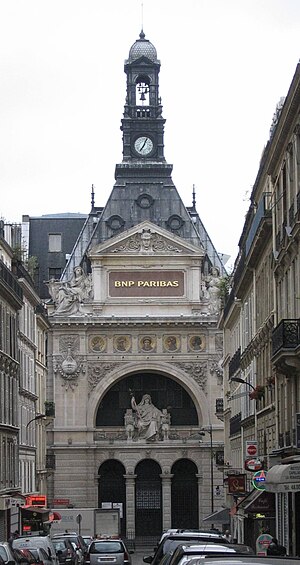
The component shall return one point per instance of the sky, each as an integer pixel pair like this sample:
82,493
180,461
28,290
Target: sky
225,64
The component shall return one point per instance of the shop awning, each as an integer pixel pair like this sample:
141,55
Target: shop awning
283,478
55,516
221,516
258,501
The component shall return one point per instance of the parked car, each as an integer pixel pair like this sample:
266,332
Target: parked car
87,540
107,551
10,556
34,542
79,544
65,551
183,554
170,541
40,556
246,560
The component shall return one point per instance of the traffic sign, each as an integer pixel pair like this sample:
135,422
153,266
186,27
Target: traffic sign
253,464
251,448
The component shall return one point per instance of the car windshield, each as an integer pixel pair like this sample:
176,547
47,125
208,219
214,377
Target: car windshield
59,545
106,547
3,553
171,544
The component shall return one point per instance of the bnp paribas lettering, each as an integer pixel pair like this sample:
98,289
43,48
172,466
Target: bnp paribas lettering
145,284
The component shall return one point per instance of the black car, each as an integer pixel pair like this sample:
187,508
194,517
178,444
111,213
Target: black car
169,542
79,544
65,551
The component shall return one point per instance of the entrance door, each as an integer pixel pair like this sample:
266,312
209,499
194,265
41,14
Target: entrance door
148,505
112,488
184,495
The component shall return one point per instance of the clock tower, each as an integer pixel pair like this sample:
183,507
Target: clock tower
143,124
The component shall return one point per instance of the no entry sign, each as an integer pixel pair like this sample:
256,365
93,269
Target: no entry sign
251,448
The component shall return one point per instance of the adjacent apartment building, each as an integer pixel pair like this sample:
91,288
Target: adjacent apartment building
261,324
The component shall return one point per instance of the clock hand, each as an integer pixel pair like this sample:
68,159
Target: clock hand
142,147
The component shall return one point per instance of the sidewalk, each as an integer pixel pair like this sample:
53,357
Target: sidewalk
137,556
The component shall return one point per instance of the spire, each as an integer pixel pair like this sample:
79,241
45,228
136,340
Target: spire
194,197
92,198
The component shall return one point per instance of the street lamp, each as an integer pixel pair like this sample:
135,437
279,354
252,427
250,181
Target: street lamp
202,433
37,417
240,380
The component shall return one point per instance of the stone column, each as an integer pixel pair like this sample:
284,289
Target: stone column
200,498
130,505
166,480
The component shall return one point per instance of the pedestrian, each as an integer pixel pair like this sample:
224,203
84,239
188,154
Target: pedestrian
227,536
275,548
13,536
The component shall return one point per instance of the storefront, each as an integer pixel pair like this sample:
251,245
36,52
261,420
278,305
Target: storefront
258,510
284,481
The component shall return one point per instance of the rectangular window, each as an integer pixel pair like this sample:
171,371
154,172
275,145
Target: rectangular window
54,242
54,273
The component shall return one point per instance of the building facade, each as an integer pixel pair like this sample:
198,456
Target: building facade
23,412
262,340
134,347
11,300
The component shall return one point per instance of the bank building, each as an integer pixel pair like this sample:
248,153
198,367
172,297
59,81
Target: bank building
134,350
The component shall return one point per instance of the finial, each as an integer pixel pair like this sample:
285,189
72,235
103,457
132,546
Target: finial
93,197
194,197
142,35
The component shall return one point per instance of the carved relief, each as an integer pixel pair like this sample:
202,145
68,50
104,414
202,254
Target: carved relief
198,371
196,342
69,365
97,343
216,368
146,241
172,343
148,343
98,372
68,296
122,343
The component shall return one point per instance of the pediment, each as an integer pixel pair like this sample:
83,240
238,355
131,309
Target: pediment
146,239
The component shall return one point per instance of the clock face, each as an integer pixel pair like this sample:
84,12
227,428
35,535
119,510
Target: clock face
143,145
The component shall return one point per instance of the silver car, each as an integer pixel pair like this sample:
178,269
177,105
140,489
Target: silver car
108,552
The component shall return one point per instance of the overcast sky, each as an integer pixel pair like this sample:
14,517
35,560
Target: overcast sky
224,66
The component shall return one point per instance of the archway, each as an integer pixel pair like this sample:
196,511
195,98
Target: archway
148,499
184,495
165,392
112,489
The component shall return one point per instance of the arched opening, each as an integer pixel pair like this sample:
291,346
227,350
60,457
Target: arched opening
164,391
112,489
148,499
184,495
142,91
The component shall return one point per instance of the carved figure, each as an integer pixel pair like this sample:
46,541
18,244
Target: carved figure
147,418
165,424
196,343
214,291
129,424
69,295
122,343
171,343
146,343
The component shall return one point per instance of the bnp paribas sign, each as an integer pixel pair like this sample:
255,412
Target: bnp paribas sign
146,283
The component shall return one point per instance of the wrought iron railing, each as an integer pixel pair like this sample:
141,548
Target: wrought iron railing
234,363
235,424
286,335
50,461
7,278
262,211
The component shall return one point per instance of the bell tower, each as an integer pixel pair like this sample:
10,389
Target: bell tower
143,124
